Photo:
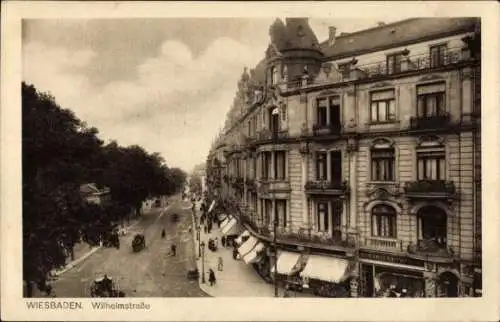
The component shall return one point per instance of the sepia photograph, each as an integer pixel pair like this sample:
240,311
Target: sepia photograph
286,156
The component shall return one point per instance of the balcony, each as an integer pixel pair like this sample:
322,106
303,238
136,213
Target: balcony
385,244
325,187
429,122
326,129
314,240
430,189
429,249
408,64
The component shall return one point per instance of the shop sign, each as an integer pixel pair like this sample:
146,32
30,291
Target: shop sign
391,258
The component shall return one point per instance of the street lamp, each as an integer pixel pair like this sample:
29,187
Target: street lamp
202,262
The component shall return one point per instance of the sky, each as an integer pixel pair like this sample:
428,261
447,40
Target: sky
164,84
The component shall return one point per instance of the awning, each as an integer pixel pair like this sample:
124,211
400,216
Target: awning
253,256
325,268
212,205
239,240
222,217
247,246
287,262
230,228
225,222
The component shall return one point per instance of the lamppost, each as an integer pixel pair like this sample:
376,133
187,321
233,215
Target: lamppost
198,228
203,262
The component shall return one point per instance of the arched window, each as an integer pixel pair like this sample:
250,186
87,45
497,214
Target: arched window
383,221
432,224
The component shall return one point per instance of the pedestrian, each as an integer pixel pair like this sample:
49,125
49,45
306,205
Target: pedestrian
223,241
211,277
173,249
235,253
205,228
216,242
220,264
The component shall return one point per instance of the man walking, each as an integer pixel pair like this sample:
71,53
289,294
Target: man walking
173,249
220,264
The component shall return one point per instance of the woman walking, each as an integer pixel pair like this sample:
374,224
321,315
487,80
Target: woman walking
211,277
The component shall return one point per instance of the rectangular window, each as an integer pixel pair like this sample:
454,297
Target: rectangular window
281,212
438,55
382,165
431,165
337,208
254,165
345,70
334,106
321,166
336,166
266,165
268,210
431,100
322,216
321,113
394,63
280,165
382,106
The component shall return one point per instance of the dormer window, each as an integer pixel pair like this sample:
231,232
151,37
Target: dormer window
438,55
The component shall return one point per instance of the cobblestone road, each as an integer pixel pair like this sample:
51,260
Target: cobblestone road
149,273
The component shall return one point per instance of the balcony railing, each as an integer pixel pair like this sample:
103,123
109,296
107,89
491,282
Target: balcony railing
430,189
409,63
324,240
383,243
429,122
327,187
327,129
270,185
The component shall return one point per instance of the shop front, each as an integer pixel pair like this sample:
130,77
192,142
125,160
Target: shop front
288,266
327,276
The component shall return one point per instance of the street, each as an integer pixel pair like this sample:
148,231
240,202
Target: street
151,272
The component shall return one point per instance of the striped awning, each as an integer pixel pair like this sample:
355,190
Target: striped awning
325,268
231,228
247,246
239,240
225,222
287,263
253,256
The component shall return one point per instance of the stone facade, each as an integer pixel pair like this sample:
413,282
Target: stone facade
361,171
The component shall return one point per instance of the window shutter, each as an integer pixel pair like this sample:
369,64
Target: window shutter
431,88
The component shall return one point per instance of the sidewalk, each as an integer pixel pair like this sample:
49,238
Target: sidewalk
237,278
82,251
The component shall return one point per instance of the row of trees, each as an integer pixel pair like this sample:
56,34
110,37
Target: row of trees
60,153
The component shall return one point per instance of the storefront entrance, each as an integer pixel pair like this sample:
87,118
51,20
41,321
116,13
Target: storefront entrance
448,285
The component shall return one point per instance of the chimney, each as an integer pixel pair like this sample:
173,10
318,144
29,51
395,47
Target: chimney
331,35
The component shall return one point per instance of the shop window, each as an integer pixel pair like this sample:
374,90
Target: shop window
431,100
448,285
382,106
432,226
280,165
431,165
390,284
321,165
382,161
384,221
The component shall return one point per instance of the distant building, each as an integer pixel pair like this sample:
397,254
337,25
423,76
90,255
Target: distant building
92,194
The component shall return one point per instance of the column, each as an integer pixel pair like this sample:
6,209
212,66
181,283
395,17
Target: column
353,187
272,174
328,167
305,208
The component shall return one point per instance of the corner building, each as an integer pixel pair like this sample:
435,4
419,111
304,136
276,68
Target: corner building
359,157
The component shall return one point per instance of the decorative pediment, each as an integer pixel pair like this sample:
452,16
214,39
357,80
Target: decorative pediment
430,141
382,84
382,143
430,77
328,92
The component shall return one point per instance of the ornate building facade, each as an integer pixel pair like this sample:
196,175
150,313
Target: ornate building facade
361,153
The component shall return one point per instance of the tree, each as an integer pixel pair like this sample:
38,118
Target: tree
195,185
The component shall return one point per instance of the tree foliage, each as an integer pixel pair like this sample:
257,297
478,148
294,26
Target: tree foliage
60,153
